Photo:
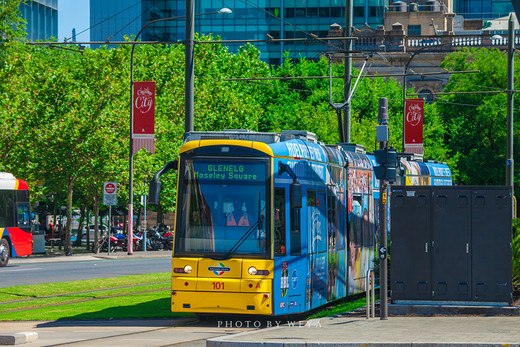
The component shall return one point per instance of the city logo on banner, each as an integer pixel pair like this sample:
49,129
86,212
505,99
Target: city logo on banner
413,126
143,123
144,100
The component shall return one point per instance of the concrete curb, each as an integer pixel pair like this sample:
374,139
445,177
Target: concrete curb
18,338
90,257
224,340
433,309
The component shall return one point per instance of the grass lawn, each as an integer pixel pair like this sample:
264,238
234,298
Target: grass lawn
139,296
126,297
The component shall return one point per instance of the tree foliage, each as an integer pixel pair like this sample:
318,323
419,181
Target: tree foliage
65,115
476,123
12,25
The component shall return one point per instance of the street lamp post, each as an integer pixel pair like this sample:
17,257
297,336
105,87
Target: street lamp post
187,101
510,163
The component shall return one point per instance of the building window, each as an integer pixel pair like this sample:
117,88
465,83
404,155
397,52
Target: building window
272,11
374,11
427,95
312,12
359,11
299,12
289,13
337,12
324,11
414,30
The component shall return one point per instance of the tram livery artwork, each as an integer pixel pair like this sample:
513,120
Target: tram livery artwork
274,223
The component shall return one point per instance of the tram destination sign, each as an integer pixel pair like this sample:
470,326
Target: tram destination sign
230,171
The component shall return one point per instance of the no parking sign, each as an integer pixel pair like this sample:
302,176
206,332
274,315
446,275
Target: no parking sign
110,193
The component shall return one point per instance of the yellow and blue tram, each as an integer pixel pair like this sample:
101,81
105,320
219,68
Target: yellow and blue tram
272,223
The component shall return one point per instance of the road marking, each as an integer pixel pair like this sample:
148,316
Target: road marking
34,268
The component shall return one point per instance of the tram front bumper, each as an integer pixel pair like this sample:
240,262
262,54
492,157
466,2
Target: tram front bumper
211,302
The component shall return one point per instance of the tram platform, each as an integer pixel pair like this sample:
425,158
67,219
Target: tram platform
395,331
406,325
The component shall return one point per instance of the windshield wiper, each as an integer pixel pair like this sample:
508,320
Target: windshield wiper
244,237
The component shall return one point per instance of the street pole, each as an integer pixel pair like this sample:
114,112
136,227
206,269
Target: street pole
144,224
189,81
349,22
510,163
189,91
109,226
382,136
383,289
131,154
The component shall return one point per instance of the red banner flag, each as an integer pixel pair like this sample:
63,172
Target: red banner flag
143,125
413,126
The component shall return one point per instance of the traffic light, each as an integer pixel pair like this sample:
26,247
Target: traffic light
387,160
380,155
391,164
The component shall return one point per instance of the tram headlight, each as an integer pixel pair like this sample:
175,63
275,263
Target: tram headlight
252,271
188,269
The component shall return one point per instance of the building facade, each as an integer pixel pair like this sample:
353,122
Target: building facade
114,19
42,19
250,20
483,9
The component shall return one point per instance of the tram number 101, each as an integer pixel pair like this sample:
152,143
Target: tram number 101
218,285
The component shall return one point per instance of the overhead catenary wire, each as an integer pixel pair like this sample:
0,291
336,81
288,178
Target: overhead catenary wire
290,24
104,20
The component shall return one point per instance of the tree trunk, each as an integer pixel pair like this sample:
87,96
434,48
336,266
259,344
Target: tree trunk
87,214
96,220
68,244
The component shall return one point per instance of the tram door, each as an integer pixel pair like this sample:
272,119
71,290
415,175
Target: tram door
289,251
316,205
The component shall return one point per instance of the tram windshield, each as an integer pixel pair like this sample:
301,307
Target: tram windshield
223,208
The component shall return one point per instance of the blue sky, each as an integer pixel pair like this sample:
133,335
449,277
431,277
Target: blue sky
73,14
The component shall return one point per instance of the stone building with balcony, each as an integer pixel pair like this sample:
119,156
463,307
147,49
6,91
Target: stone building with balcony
418,36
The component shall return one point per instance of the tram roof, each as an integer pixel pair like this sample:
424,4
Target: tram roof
288,143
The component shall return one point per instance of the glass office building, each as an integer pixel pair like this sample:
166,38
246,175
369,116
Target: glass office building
42,19
483,9
250,20
114,19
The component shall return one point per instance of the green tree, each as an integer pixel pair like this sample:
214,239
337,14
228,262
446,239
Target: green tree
476,123
12,25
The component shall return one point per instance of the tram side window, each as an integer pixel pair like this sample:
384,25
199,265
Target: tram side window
296,234
279,221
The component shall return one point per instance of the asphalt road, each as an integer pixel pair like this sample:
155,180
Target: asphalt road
18,272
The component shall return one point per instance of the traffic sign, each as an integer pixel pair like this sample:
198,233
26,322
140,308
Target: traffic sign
382,252
110,193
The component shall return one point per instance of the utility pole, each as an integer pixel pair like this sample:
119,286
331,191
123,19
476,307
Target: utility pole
189,81
349,22
510,163
386,172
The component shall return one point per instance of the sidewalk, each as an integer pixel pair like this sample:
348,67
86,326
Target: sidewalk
341,330
83,255
396,331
